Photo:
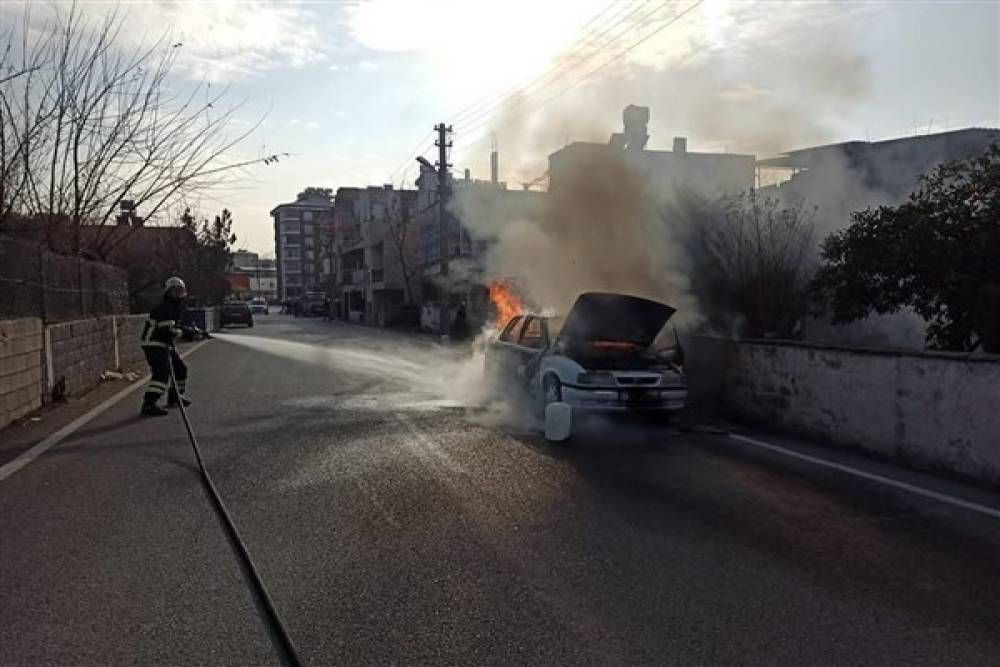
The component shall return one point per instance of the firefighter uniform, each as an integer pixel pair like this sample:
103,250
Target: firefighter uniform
158,334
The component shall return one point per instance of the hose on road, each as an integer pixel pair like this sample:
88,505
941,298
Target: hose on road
279,635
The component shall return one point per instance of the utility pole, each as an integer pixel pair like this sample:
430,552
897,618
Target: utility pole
444,189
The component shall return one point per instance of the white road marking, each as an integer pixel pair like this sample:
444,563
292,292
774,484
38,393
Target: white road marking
30,455
964,504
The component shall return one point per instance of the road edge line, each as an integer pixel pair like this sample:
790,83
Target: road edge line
920,491
26,457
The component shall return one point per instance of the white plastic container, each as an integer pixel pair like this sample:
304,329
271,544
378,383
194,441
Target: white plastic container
558,421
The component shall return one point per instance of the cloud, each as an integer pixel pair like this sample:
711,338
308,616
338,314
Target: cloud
367,66
223,41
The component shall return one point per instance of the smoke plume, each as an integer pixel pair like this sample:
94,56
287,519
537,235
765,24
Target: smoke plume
599,231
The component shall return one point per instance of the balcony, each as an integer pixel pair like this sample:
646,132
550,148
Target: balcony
353,276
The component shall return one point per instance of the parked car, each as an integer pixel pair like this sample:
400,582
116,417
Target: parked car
258,306
316,304
600,357
235,312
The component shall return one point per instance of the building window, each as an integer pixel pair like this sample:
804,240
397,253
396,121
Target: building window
293,240
293,266
309,241
290,227
310,255
307,229
308,268
292,253
307,216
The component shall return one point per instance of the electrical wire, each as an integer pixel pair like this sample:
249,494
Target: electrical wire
586,39
557,74
280,636
579,45
586,76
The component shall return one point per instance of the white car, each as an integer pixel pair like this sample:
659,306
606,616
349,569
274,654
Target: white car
602,356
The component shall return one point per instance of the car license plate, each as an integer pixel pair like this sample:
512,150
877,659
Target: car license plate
638,396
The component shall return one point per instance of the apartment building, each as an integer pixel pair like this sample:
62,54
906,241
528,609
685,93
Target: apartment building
303,234
375,249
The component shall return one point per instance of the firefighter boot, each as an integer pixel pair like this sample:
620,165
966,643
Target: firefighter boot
151,409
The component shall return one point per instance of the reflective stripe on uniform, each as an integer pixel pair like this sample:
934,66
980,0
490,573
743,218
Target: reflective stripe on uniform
152,343
163,323
157,386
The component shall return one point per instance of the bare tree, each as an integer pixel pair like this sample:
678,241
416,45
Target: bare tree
398,222
751,263
86,125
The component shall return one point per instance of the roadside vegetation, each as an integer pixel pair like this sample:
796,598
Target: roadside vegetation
99,140
937,254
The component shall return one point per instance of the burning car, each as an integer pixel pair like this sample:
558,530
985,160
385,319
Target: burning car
604,355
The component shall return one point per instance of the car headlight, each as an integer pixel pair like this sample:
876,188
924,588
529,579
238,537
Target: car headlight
595,377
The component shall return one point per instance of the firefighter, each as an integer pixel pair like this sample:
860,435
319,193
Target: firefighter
158,336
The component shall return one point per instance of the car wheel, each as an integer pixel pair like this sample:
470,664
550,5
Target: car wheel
250,325
551,390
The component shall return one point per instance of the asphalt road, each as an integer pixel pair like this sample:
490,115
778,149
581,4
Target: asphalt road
393,526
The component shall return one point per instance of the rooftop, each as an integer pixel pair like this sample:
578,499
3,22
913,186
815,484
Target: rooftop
804,157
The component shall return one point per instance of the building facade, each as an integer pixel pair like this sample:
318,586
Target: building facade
477,213
853,175
303,235
376,264
252,277
711,174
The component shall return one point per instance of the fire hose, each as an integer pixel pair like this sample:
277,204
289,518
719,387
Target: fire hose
279,635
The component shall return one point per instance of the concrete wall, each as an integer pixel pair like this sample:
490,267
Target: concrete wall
932,410
82,350
21,368
67,358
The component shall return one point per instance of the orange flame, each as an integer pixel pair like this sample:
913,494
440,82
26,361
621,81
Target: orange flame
504,301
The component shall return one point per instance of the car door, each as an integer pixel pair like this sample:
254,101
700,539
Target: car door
502,356
530,347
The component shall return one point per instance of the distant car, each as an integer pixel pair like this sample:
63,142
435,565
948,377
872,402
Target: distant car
258,306
315,304
235,312
600,357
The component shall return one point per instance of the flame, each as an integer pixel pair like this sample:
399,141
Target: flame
504,300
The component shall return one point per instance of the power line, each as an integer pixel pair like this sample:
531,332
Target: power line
462,112
578,45
601,67
413,152
522,99
584,40
556,74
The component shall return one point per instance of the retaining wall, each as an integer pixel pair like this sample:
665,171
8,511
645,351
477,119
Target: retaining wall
82,350
932,410
21,364
37,363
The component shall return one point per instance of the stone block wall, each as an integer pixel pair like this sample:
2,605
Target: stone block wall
21,368
82,350
929,409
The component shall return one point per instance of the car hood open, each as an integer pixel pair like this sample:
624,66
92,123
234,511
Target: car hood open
599,316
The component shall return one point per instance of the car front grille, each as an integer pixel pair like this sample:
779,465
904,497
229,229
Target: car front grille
637,380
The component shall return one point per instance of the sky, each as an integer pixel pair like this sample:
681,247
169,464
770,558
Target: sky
351,90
